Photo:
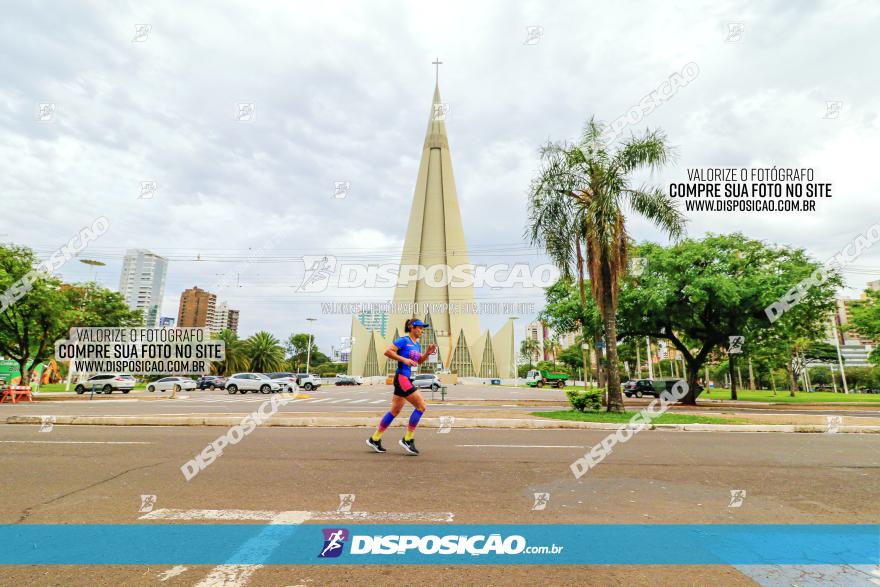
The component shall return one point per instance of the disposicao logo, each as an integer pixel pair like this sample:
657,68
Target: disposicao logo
334,540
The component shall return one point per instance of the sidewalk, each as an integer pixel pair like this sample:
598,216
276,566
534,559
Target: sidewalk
458,421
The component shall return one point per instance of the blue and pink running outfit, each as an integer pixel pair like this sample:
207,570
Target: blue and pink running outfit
409,349
403,387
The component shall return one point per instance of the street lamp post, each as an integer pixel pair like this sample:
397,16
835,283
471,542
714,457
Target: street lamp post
309,349
513,357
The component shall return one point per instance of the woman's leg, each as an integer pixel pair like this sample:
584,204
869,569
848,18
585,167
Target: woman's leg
397,403
421,407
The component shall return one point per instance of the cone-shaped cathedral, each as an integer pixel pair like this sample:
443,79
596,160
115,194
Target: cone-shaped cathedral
434,280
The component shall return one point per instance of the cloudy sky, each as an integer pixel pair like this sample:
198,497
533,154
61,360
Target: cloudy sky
342,92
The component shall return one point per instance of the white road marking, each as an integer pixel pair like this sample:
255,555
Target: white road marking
264,543
379,401
172,572
264,515
323,399
522,445
360,401
71,442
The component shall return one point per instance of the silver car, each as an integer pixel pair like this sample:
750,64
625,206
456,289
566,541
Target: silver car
171,384
253,382
427,380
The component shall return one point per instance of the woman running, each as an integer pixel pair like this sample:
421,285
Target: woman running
406,351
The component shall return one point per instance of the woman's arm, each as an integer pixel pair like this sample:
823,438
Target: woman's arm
428,352
391,353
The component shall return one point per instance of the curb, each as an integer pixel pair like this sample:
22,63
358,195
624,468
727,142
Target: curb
497,423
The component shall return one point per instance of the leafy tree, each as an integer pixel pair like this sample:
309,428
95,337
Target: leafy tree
866,320
698,293
527,349
264,352
30,326
236,359
576,213
565,311
298,350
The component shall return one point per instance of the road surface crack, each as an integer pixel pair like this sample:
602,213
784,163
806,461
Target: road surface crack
27,512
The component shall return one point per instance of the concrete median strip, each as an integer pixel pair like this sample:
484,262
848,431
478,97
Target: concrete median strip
369,422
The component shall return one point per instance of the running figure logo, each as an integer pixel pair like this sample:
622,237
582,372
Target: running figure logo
318,270
334,540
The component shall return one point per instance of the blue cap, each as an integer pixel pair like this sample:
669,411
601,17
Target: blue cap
420,323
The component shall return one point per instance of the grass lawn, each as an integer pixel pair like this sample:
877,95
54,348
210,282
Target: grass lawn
783,397
667,418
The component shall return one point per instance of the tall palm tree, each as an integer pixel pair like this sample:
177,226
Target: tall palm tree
235,360
576,213
528,347
264,352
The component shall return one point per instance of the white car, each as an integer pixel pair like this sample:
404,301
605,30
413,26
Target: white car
171,384
427,380
308,381
253,382
342,379
106,383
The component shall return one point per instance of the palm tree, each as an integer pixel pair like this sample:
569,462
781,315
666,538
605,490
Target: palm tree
264,352
576,213
527,348
235,360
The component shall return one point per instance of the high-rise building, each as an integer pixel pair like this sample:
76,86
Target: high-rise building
435,236
221,317
232,321
196,308
142,283
377,321
166,322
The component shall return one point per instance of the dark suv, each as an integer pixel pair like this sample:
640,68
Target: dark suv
211,382
640,387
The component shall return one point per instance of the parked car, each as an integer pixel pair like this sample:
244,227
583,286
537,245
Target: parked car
427,380
287,380
308,381
211,382
823,387
640,387
107,383
171,384
253,382
349,380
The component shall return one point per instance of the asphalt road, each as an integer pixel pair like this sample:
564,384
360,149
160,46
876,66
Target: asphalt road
85,474
367,399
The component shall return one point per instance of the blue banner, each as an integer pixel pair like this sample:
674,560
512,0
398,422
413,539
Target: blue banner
527,544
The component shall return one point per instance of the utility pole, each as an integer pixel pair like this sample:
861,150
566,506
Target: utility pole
309,349
650,365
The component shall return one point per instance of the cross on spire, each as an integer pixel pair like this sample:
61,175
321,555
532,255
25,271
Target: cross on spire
437,65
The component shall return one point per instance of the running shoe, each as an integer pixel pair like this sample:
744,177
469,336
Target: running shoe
409,446
376,445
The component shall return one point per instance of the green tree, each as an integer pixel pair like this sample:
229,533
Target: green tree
576,213
30,325
236,358
565,311
698,293
866,320
527,349
264,352
298,350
